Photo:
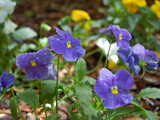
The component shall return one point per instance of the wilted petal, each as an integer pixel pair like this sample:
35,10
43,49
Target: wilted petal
136,69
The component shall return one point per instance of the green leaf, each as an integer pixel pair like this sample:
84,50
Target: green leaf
149,114
24,33
80,70
92,81
84,94
13,109
75,116
150,93
52,117
30,97
122,111
48,91
133,20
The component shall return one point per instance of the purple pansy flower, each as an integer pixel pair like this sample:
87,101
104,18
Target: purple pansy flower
122,35
65,43
129,57
113,89
148,56
6,80
35,64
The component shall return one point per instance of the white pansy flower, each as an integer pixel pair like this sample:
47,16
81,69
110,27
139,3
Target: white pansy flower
9,26
104,44
6,8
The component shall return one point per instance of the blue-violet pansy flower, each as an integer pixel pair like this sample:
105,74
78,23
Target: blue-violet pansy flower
148,56
6,80
64,43
122,35
132,59
113,89
35,64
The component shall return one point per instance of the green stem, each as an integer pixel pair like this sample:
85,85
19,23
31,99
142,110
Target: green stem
105,65
35,113
57,85
44,107
17,105
69,73
91,53
99,62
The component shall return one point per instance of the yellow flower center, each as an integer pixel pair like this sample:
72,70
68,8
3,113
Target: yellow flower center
69,44
33,63
114,90
0,9
120,36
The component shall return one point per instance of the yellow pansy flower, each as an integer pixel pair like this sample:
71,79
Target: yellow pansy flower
132,5
87,26
156,8
79,15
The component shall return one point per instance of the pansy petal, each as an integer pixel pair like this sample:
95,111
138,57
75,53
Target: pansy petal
139,50
126,35
23,60
58,44
37,72
52,73
123,80
117,100
131,62
43,57
102,89
116,31
74,41
123,43
74,53
136,59
105,74
7,79
129,52
123,54
152,66
61,33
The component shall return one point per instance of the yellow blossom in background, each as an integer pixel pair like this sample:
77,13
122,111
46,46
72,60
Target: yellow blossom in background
87,26
132,5
156,8
79,15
